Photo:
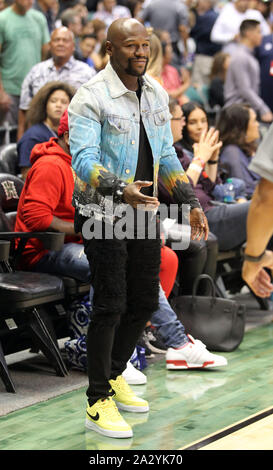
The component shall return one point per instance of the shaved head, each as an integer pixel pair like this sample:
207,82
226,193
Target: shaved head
122,28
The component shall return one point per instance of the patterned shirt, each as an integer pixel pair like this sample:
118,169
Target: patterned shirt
118,11
74,72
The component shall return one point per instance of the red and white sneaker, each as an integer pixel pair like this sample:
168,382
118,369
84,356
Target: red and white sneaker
193,355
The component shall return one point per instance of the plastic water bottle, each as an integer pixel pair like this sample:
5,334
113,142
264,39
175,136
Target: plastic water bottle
229,193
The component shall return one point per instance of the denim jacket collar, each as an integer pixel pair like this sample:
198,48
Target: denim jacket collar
116,86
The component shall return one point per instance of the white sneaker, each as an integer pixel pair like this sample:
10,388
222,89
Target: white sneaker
193,355
134,376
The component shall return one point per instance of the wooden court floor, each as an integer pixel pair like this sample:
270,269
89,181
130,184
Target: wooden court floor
228,408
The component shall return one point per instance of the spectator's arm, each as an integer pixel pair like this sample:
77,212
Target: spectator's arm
63,226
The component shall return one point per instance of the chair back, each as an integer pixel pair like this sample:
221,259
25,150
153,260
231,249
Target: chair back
9,159
10,190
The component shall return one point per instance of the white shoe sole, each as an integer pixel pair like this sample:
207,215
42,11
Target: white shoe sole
132,381
133,409
175,365
105,432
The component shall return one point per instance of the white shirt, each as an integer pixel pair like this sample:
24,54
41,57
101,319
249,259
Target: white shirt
229,20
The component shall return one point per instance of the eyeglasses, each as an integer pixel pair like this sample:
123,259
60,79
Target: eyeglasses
181,118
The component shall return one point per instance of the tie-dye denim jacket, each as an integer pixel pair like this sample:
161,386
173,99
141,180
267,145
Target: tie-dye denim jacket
104,123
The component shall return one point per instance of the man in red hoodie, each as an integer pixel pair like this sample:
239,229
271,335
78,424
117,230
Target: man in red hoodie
45,204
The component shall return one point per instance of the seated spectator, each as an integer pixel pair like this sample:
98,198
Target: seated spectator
218,72
242,83
62,66
45,204
201,256
175,84
88,28
100,32
87,43
200,161
160,69
101,57
155,64
204,19
42,119
72,21
239,131
109,11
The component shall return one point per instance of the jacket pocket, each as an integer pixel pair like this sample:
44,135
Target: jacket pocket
161,117
118,125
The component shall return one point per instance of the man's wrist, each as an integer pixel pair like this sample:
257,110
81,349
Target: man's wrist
252,258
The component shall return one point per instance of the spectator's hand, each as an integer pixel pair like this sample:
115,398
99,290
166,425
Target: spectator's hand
133,196
5,101
267,117
256,276
208,147
199,225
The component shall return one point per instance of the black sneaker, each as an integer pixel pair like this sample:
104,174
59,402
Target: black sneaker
153,340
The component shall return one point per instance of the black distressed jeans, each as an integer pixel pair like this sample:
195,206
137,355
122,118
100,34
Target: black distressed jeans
125,279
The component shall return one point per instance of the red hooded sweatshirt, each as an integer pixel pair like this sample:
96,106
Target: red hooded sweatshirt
47,192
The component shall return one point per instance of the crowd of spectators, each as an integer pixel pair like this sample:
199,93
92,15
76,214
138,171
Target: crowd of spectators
214,59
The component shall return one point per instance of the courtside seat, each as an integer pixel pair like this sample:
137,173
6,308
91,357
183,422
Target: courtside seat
74,288
21,296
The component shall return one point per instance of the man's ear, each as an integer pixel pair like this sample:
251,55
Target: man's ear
109,48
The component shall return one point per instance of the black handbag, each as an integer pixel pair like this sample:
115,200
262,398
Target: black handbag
219,323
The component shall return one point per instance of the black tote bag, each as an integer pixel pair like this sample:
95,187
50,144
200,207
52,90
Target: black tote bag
219,323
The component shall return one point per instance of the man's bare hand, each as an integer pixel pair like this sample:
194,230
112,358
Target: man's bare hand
199,225
134,197
256,276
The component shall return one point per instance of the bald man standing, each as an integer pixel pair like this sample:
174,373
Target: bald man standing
62,67
120,141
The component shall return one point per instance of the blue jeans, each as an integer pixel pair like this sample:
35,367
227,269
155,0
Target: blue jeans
69,261
72,261
170,328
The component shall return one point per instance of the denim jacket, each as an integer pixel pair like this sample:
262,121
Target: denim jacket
104,125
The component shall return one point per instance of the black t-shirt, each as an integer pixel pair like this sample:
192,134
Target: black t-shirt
144,171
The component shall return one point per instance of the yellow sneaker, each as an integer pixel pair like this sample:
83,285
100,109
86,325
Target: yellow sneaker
125,397
104,418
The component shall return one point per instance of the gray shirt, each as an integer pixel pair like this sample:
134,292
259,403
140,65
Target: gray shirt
166,15
262,163
74,72
242,83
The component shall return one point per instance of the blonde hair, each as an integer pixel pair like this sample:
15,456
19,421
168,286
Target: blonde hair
156,57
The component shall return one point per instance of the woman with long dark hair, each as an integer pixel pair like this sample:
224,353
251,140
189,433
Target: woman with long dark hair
42,119
226,221
239,131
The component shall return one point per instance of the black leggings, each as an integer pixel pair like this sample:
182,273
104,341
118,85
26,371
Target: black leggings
125,279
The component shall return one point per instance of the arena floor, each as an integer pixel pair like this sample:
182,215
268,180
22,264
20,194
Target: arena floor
225,408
